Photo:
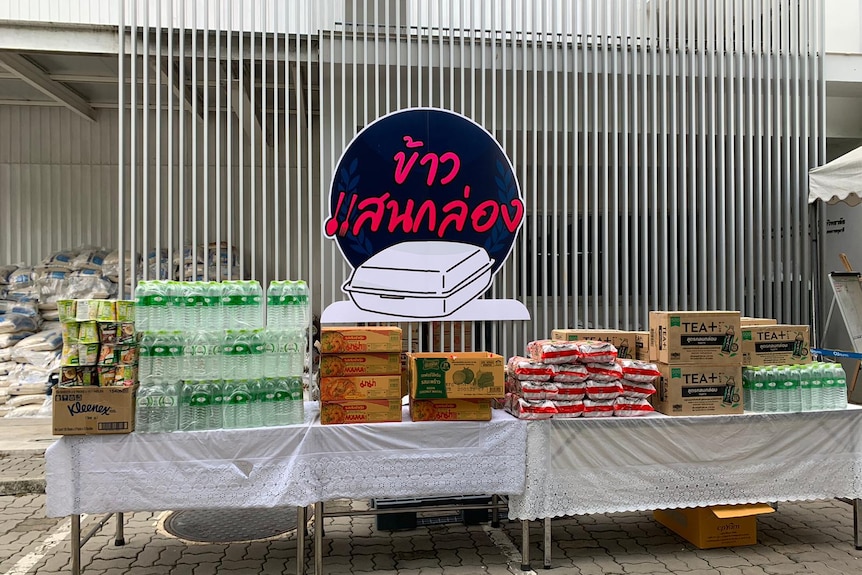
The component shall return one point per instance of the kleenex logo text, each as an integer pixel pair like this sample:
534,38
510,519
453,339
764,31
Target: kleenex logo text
79,407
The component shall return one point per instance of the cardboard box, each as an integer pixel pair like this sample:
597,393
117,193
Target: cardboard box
360,339
350,364
718,526
746,321
706,337
449,336
699,389
92,410
450,409
360,411
624,341
360,387
642,346
776,345
459,375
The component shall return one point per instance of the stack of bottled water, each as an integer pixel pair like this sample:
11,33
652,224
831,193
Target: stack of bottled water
792,388
207,363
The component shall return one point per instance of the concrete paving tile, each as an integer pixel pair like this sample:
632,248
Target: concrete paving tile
200,558
207,568
727,561
149,555
235,552
834,568
256,550
785,569
383,561
645,567
448,558
406,565
247,565
361,563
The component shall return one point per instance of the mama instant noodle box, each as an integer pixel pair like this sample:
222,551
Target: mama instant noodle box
360,387
360,411
705,337
686,389
450,409
360,339
624,341
457,375
775,345
355,364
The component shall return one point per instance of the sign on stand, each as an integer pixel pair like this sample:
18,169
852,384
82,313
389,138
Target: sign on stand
425,207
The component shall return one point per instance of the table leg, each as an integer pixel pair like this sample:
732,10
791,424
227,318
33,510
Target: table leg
318,538
547,543
857,528
525,545
119,537
76,544
495,513
301,522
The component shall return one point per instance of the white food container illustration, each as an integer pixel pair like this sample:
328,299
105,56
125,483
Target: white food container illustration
420,279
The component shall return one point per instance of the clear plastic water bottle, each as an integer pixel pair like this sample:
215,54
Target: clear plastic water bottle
257,348
253,308
264,402
211,308
230,301
275,303
237,404
818,378
169,407
805,375
196,361
828,386
214,364
142,306
795,378
241,359
755,403
201,405
772,393
297,310
145,359
840,388
294,353
143,410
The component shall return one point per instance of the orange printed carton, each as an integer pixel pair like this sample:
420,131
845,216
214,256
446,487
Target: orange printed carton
356,364
360,411
360,339
360,387
450,409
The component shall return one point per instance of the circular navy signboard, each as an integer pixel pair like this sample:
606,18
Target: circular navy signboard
424,175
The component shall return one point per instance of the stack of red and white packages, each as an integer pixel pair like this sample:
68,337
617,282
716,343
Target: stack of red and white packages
572,378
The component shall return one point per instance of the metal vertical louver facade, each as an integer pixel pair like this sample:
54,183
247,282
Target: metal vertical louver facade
662,147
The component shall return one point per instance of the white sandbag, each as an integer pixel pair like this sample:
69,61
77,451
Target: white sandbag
31,399
15,322
26,308
7,271
26,374
25,411
46,340
10,339
5,354
51,315
44,359
7,366
91,258
4,410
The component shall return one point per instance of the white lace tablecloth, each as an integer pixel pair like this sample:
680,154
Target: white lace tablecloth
284,466
580,466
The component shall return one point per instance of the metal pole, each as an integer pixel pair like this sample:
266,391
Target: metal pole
76,544
119,536
525,545
318,538
301,531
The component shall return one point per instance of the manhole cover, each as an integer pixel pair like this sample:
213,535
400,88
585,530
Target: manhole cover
230,525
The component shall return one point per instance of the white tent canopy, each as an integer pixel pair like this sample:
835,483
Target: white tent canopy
838,181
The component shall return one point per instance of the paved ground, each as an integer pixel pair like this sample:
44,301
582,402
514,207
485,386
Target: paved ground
813,537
